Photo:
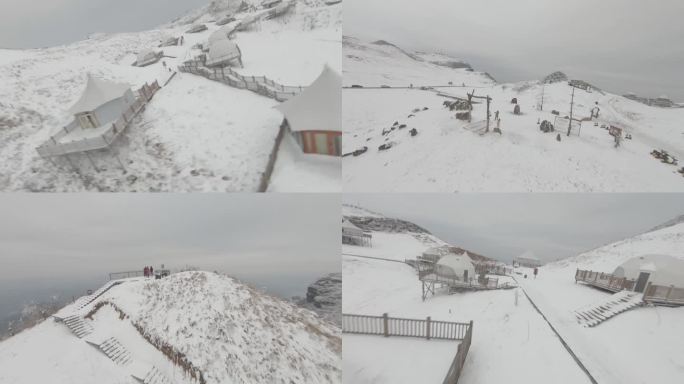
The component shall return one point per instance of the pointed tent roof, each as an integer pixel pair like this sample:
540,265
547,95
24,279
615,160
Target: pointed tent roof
96,93
318,107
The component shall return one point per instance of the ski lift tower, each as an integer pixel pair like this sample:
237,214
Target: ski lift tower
572,104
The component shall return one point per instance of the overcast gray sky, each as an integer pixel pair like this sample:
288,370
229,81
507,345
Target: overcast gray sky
280,242
41,23
503,226
619,45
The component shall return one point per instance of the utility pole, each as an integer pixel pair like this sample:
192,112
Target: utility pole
572,103
541,106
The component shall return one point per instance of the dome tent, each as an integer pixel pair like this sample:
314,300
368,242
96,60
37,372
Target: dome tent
661,269
453,266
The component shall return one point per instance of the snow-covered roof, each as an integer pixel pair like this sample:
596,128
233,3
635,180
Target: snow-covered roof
97,92
318,107
349,228
221,33
146,54
458,264
664,269
222,49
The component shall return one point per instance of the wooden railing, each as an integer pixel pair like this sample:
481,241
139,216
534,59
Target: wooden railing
428,328
259,84
395,326
456,367
125,274
604,280
272,157
664,295
54,148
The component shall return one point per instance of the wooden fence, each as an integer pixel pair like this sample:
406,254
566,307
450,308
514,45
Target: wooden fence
259,84
272,157
664,295
604,280
53,147
395,326
456,367
428,329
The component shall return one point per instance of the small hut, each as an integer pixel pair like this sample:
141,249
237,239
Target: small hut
101,103
170,42
313,116
147,57
222,52
353,235
226,20
197,28
527,259
656,269
222,33
455,267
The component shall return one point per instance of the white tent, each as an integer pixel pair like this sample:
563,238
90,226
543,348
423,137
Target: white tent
662,269
96,93
318,107
222,51
454,266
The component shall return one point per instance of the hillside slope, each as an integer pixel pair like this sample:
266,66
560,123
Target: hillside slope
195,135
449,155
230,332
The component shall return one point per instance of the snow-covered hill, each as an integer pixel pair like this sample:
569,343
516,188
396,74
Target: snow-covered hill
446,154
512,338
196,134
601,349
227,331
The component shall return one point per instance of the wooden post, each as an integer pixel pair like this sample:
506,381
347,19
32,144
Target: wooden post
427,328
385,324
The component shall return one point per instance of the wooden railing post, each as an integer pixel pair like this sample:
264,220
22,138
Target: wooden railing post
385,324
427,328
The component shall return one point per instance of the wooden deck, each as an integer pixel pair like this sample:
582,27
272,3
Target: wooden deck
604,281
53,147
429,329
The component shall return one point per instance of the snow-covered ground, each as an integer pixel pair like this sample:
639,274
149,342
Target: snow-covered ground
231,332
653,335
195,135
445,156
512,342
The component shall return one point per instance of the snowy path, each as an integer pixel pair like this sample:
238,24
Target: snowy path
507,335
602,349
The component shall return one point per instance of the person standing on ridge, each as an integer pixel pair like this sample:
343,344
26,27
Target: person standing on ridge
146,271
535,272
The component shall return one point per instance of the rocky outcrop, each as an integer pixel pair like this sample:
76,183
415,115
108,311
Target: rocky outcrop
324,297
556,77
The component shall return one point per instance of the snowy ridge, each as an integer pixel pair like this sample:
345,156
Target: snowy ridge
595,314
196,135
405,140
259,338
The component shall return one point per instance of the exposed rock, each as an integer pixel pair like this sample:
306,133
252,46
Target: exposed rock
556,77
324,297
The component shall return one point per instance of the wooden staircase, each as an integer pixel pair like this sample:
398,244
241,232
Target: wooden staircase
597,313
115,351
78,326
83,301
153,376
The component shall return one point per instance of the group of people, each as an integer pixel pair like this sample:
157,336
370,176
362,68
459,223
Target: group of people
148,271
